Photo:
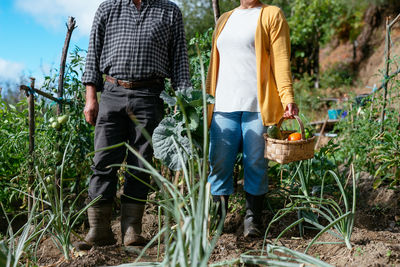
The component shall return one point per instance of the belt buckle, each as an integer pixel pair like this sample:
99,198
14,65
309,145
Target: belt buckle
125,83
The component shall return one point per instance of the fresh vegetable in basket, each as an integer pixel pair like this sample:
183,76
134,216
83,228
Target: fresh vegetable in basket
308,133
274,132
294,137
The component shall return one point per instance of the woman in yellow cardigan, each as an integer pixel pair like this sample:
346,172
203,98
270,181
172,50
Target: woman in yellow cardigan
249,76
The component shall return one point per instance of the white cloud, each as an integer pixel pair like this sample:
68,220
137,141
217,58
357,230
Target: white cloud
11,71
54,13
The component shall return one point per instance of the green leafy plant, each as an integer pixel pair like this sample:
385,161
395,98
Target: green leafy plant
62,213
59,212
340,219
312,23
305,177
362,142
359,252
387,153
17,244
49,141
203,42
337,76
306,97
187,122
75,126
13,151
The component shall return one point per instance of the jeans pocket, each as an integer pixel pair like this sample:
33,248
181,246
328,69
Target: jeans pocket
107,87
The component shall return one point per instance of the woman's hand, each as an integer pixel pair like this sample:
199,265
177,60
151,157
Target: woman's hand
291,111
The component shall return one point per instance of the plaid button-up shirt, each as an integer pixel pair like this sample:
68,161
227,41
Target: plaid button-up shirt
131,44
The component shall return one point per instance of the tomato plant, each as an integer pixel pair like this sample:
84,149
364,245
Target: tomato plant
362,141
51,136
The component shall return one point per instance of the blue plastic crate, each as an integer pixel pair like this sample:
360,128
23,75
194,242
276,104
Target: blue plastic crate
334,114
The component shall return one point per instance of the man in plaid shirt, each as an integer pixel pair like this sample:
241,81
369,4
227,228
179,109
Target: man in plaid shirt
134,45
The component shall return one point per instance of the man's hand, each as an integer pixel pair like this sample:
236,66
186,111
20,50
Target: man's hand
92,106
291,111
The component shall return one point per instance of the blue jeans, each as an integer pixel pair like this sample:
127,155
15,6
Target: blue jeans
230,130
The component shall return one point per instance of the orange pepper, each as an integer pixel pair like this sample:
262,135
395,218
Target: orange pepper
294,137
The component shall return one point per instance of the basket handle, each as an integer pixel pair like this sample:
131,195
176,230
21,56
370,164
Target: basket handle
298,121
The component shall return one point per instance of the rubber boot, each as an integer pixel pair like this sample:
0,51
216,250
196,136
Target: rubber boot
222,207
100,233
252,219
131,224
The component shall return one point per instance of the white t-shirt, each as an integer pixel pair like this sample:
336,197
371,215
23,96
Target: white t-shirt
237,75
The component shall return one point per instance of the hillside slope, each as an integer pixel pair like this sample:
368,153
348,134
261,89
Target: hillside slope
368,61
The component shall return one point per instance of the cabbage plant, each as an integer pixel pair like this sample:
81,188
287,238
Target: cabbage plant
173,128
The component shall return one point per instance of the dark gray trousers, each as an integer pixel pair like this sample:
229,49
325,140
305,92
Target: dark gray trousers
125,115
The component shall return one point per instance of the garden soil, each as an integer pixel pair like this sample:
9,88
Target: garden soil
375,240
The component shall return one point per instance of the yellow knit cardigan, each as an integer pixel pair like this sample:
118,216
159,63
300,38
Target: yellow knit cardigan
274,78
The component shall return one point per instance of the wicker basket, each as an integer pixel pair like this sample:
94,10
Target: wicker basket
284,151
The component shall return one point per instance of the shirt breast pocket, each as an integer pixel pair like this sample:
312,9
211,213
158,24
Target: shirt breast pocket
160,32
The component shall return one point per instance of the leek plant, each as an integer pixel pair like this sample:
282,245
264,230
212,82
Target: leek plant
281,256
340,218
276,256
13,248
60,215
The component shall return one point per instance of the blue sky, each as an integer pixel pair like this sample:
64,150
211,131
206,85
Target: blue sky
32,34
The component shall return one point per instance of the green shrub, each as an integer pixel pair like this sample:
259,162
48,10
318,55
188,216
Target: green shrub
49,141
307,97
363,142
338,75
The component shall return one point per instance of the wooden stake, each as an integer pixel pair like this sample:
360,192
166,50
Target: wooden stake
387,66
70,28
31,164
389,25
216,9
372,105
321,133
49,96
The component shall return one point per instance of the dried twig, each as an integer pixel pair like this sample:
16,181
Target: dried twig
216,9
395,21
70,26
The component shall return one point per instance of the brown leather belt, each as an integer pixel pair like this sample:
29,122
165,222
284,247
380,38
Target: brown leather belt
136,84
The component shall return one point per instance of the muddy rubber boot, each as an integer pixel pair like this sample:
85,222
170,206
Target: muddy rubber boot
100,233
131,224
252,219
221,207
